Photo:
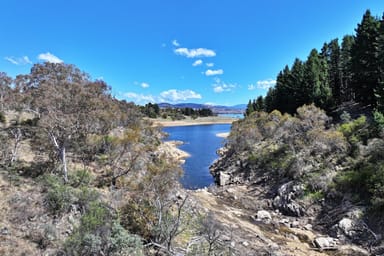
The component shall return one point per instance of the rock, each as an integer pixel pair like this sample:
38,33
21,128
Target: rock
264,216
284,201
325,243
4,231
224,178
346,226
308,227
295,224
245,243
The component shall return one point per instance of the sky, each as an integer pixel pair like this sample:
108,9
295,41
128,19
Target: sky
221,52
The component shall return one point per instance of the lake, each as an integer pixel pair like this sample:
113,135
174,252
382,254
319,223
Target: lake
201,142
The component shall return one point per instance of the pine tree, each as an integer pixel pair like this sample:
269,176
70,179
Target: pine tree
379,91
364,62
316,81
249,109
334,70
346,91
259,104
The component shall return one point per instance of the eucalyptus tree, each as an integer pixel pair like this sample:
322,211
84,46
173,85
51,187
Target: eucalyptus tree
69,106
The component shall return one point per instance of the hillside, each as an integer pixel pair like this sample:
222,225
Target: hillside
303,166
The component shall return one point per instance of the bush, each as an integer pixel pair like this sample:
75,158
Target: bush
356,130
80,178
59,195
99,234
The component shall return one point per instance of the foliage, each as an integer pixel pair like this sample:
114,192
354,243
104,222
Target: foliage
99,233
59,196
337,74
356,130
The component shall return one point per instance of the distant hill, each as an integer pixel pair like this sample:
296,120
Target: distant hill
237,109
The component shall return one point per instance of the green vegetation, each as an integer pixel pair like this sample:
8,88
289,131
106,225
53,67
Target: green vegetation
335,75
96,161
152,110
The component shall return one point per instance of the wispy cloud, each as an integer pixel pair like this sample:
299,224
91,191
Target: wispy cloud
175,43
220,86
197,63
171,96
139,98
174,95
19,61
144,85
49,57
195,53
262,84
216,72
210,64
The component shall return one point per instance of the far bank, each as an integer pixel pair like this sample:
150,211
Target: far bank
190,121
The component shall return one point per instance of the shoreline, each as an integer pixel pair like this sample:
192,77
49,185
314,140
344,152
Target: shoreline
190,122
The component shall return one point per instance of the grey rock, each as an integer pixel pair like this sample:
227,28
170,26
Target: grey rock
284,201
325,243
308,227
295,224
224,179
346,226
264,216
4,231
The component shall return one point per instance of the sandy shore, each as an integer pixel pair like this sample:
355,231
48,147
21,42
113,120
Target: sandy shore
170,149
190,121
223,134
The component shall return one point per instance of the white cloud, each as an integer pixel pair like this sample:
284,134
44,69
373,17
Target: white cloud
197,63
176,95
175,43
19,61
139,98
262,84
210,64
144,85
49,57
211,72
195,53
171,96
220,86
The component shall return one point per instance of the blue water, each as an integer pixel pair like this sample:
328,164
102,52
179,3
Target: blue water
201,142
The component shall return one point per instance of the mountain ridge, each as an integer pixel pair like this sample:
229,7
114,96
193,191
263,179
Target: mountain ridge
217,109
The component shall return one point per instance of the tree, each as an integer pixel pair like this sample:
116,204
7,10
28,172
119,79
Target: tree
5,90
346,91
334,70
379,90
258,104
315,80
249,108
364,61
69,106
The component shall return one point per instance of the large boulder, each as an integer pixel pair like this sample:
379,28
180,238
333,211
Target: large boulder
285,199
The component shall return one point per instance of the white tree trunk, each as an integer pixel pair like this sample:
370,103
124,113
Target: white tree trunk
64,162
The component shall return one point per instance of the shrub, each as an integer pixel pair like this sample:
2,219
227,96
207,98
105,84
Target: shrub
356,130
59,196
123,243
99,234
80,178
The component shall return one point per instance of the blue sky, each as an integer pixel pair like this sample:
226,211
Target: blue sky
204,51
